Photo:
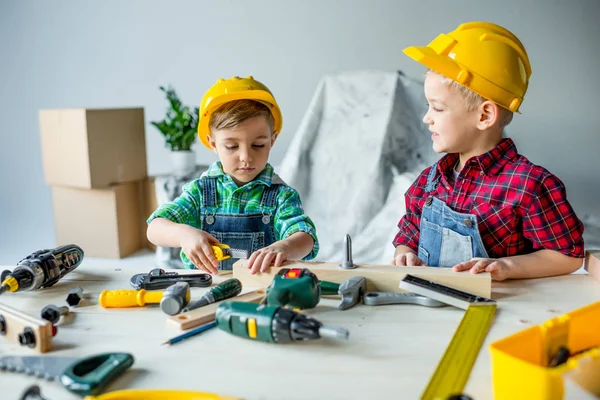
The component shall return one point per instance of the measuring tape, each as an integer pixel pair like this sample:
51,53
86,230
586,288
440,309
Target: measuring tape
454,368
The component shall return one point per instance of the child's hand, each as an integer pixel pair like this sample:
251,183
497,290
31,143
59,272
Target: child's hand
409,259
497,267
262,259
196,246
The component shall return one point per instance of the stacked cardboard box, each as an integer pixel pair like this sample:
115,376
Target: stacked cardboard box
95,162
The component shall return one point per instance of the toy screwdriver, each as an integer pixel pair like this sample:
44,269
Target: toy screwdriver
223,252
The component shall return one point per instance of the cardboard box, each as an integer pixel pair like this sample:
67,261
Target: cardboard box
592,263
105,223
150,204
93,148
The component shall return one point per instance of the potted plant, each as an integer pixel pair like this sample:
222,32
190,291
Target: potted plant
180,129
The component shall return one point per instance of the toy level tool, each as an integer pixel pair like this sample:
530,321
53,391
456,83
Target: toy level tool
272,324
442,293
79,376
159,279
453,370
42,269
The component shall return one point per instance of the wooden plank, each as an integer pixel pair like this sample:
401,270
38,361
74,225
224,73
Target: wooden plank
592,263
202,315
380,278
15,323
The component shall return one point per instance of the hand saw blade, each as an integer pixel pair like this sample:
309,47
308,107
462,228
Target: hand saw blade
236,253
50,368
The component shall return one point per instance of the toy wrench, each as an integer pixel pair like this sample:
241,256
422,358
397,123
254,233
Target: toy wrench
383,298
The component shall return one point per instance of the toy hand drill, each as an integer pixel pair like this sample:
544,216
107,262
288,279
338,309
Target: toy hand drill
272,324
42,269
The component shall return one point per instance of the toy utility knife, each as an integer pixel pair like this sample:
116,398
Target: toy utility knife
86,376
223,252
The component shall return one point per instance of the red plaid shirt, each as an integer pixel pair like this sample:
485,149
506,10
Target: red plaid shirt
520,207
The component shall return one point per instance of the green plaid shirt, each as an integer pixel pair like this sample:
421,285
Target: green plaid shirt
289,216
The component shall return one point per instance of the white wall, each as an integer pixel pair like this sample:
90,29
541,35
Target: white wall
110,53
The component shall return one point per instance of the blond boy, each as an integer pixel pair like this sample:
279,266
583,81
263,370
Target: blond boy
239,201
483,206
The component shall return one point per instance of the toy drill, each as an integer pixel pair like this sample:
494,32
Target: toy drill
272,324
42,269
298,288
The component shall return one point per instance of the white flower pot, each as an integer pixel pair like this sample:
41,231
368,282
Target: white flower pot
183,162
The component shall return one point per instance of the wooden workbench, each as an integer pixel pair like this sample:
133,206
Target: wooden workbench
391,353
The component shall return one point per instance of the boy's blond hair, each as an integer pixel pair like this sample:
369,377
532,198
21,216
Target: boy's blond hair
474,100
233,113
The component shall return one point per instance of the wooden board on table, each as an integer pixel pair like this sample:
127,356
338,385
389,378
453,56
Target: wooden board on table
16,322
203,315
380,278
592,263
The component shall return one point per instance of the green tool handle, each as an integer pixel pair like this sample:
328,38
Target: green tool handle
224,290
329,288
227,289
90,375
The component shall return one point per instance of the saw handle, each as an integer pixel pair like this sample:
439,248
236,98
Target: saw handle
219,253
128,298
90,375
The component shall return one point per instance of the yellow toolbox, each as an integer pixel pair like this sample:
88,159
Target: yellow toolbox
521,362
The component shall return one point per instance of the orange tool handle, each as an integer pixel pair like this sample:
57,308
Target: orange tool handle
128,298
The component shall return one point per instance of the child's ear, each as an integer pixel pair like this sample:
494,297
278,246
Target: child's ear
273,138
212,143
488,115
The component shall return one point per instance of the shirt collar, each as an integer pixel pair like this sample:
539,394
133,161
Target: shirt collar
215,170
490,163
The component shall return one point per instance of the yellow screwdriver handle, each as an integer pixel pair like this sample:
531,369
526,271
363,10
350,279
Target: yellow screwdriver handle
218,251
128,298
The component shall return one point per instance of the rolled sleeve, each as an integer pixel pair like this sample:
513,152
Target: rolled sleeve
550,222
408,234
290,218
184,209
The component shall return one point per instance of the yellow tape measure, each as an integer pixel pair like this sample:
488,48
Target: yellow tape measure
454,368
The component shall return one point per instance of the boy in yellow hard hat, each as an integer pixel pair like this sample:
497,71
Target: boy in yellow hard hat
483,206
239,201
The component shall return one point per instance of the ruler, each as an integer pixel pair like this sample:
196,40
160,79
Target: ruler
453,370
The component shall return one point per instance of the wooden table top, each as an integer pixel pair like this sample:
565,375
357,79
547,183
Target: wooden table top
391,353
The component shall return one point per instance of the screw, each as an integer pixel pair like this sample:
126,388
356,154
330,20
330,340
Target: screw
27,338
74,297
347,263
53,313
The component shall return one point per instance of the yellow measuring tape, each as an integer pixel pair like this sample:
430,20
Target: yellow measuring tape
454,368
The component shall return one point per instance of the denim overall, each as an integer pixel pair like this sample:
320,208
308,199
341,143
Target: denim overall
248,232
447,237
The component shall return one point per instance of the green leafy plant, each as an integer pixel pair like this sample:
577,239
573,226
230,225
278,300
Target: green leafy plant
180,125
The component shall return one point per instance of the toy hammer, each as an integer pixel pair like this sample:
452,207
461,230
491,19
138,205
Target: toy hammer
172,300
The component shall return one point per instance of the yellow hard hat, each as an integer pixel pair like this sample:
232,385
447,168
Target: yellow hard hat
236,88
482,56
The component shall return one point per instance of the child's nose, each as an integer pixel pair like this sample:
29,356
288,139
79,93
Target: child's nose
245,154
427,119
